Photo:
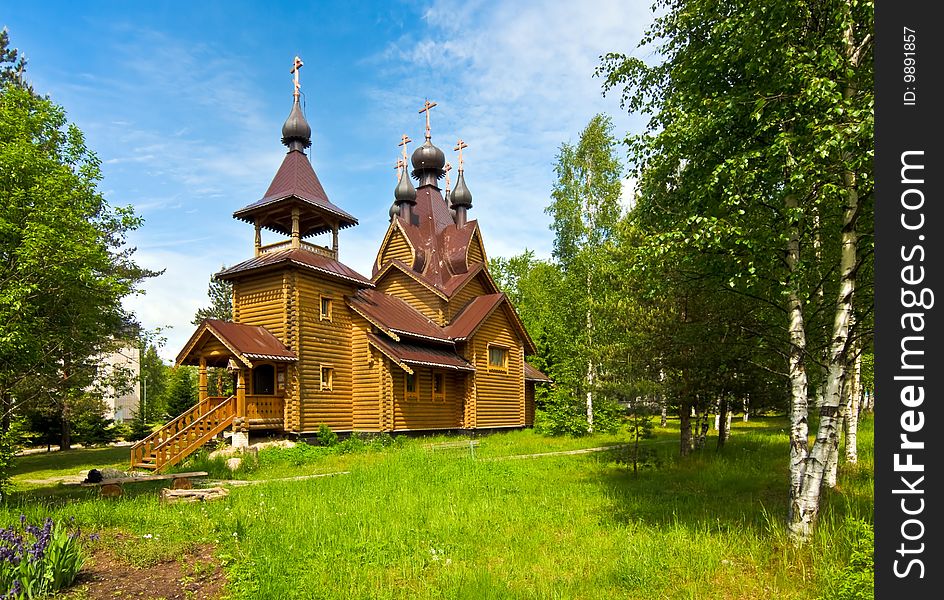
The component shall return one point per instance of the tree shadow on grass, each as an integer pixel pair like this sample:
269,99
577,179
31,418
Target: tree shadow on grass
742,487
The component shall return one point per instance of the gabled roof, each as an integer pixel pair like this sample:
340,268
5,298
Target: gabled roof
481,308
405,354
395,317
296,185
532,374
298,257
247,343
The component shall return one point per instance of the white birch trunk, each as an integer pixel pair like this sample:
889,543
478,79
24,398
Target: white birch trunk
805,507
746,409
852,414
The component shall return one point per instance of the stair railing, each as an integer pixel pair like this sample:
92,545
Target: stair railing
145,448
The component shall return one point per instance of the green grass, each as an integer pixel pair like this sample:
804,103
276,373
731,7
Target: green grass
408,522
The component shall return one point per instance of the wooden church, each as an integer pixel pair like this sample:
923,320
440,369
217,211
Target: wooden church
428,342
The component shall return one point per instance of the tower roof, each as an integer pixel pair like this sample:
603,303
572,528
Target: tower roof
295,185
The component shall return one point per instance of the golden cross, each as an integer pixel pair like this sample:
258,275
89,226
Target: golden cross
404,140
459,146
426,106
447,168
398,166
295,68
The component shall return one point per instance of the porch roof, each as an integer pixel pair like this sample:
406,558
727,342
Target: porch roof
218,341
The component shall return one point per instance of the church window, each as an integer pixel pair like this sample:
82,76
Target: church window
326,308
439,387
412,390
497,358
327,378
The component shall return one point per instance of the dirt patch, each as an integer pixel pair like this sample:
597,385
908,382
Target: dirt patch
195,575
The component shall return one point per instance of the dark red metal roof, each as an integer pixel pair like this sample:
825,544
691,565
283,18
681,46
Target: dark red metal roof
467,321
413,354
249,342
532,374
296,181
391,314
301,258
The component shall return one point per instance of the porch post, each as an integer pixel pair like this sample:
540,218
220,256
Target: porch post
258,240
296,239
202,385
240,429
334,240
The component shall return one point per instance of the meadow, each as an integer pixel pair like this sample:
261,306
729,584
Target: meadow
409,522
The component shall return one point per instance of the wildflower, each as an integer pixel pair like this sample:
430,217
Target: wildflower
147,536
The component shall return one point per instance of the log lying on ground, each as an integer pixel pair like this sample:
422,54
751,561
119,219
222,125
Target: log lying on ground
176,495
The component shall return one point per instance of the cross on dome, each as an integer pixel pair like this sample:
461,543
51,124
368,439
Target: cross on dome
296,66
460,145
427,105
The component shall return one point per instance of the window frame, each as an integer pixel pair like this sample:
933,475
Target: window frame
441,395
506,354
329,317
329,385
409,396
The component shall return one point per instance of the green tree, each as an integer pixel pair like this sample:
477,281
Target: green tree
586,210
221,302
154,380
64,264
757,175
181,391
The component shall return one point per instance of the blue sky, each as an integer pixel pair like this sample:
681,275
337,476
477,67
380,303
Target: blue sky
184,102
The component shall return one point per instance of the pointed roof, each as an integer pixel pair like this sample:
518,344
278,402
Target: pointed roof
532,374
395,317
300,257
243,342
476,312
296,185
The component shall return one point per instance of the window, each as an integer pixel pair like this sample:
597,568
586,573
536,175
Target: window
263,380
497,358
439,387
412,392
326,306
327,378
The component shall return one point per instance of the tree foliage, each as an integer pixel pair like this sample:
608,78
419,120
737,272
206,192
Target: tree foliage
221,302
64,263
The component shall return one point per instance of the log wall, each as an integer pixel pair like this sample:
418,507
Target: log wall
529,404
469,292
397,248
366,374
425,412
476,252
499,395
261,301
324,343
415,294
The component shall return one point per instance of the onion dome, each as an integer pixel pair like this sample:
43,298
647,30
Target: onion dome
461,196
428,163
296,132
404,192
394,211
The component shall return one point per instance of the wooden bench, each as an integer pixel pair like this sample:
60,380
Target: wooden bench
110,488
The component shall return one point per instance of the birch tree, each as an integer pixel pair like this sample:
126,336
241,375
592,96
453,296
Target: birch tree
759,164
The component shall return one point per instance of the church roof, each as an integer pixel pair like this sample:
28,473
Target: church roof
299,257
245,342
405,353
296,185
395,317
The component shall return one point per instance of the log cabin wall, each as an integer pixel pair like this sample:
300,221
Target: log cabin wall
397,248
386,384
368,390
499,398
324,343
469,292
476,251
261,301
528,404
424,411
413,293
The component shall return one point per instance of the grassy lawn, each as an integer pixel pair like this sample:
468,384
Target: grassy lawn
408,522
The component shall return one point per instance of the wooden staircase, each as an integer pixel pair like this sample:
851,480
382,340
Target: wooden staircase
184,435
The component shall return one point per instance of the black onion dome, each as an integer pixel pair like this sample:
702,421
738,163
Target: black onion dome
296,132
404,192
461,196
428,160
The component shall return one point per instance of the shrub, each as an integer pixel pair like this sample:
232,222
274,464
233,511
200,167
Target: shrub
326,437
50,562
565,414
857,580
10,442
